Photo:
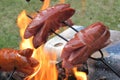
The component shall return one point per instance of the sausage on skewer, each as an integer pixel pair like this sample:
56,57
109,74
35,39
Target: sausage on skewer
84,44
50,19
19,59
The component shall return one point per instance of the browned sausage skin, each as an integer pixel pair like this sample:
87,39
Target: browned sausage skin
42,16
85,43
19,59
47,20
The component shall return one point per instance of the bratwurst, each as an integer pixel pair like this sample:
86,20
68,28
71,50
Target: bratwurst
84,44
19,59
47,21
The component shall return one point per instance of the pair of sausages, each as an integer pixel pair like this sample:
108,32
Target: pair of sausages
78,49
84,44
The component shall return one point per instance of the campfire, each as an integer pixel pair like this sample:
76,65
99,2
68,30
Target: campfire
50,68
47,69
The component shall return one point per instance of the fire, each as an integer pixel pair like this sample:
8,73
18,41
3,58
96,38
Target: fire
79,75
22,22
62,1
47,68
45,4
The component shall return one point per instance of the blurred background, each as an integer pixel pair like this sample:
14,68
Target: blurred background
87,12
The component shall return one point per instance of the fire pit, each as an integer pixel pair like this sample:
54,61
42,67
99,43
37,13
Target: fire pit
93,69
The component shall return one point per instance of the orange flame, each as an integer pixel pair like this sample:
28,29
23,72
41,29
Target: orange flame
62,1
45,67
22,22
48,69
45,4
79,75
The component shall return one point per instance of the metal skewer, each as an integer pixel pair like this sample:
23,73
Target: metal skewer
70,26
102,59
11,74
52,31
62,36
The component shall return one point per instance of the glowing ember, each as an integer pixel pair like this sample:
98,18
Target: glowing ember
47,68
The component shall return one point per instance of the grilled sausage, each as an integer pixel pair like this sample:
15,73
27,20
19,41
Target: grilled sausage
19,59
47,20
85,43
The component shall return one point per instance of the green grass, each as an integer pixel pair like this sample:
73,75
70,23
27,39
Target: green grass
106,11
